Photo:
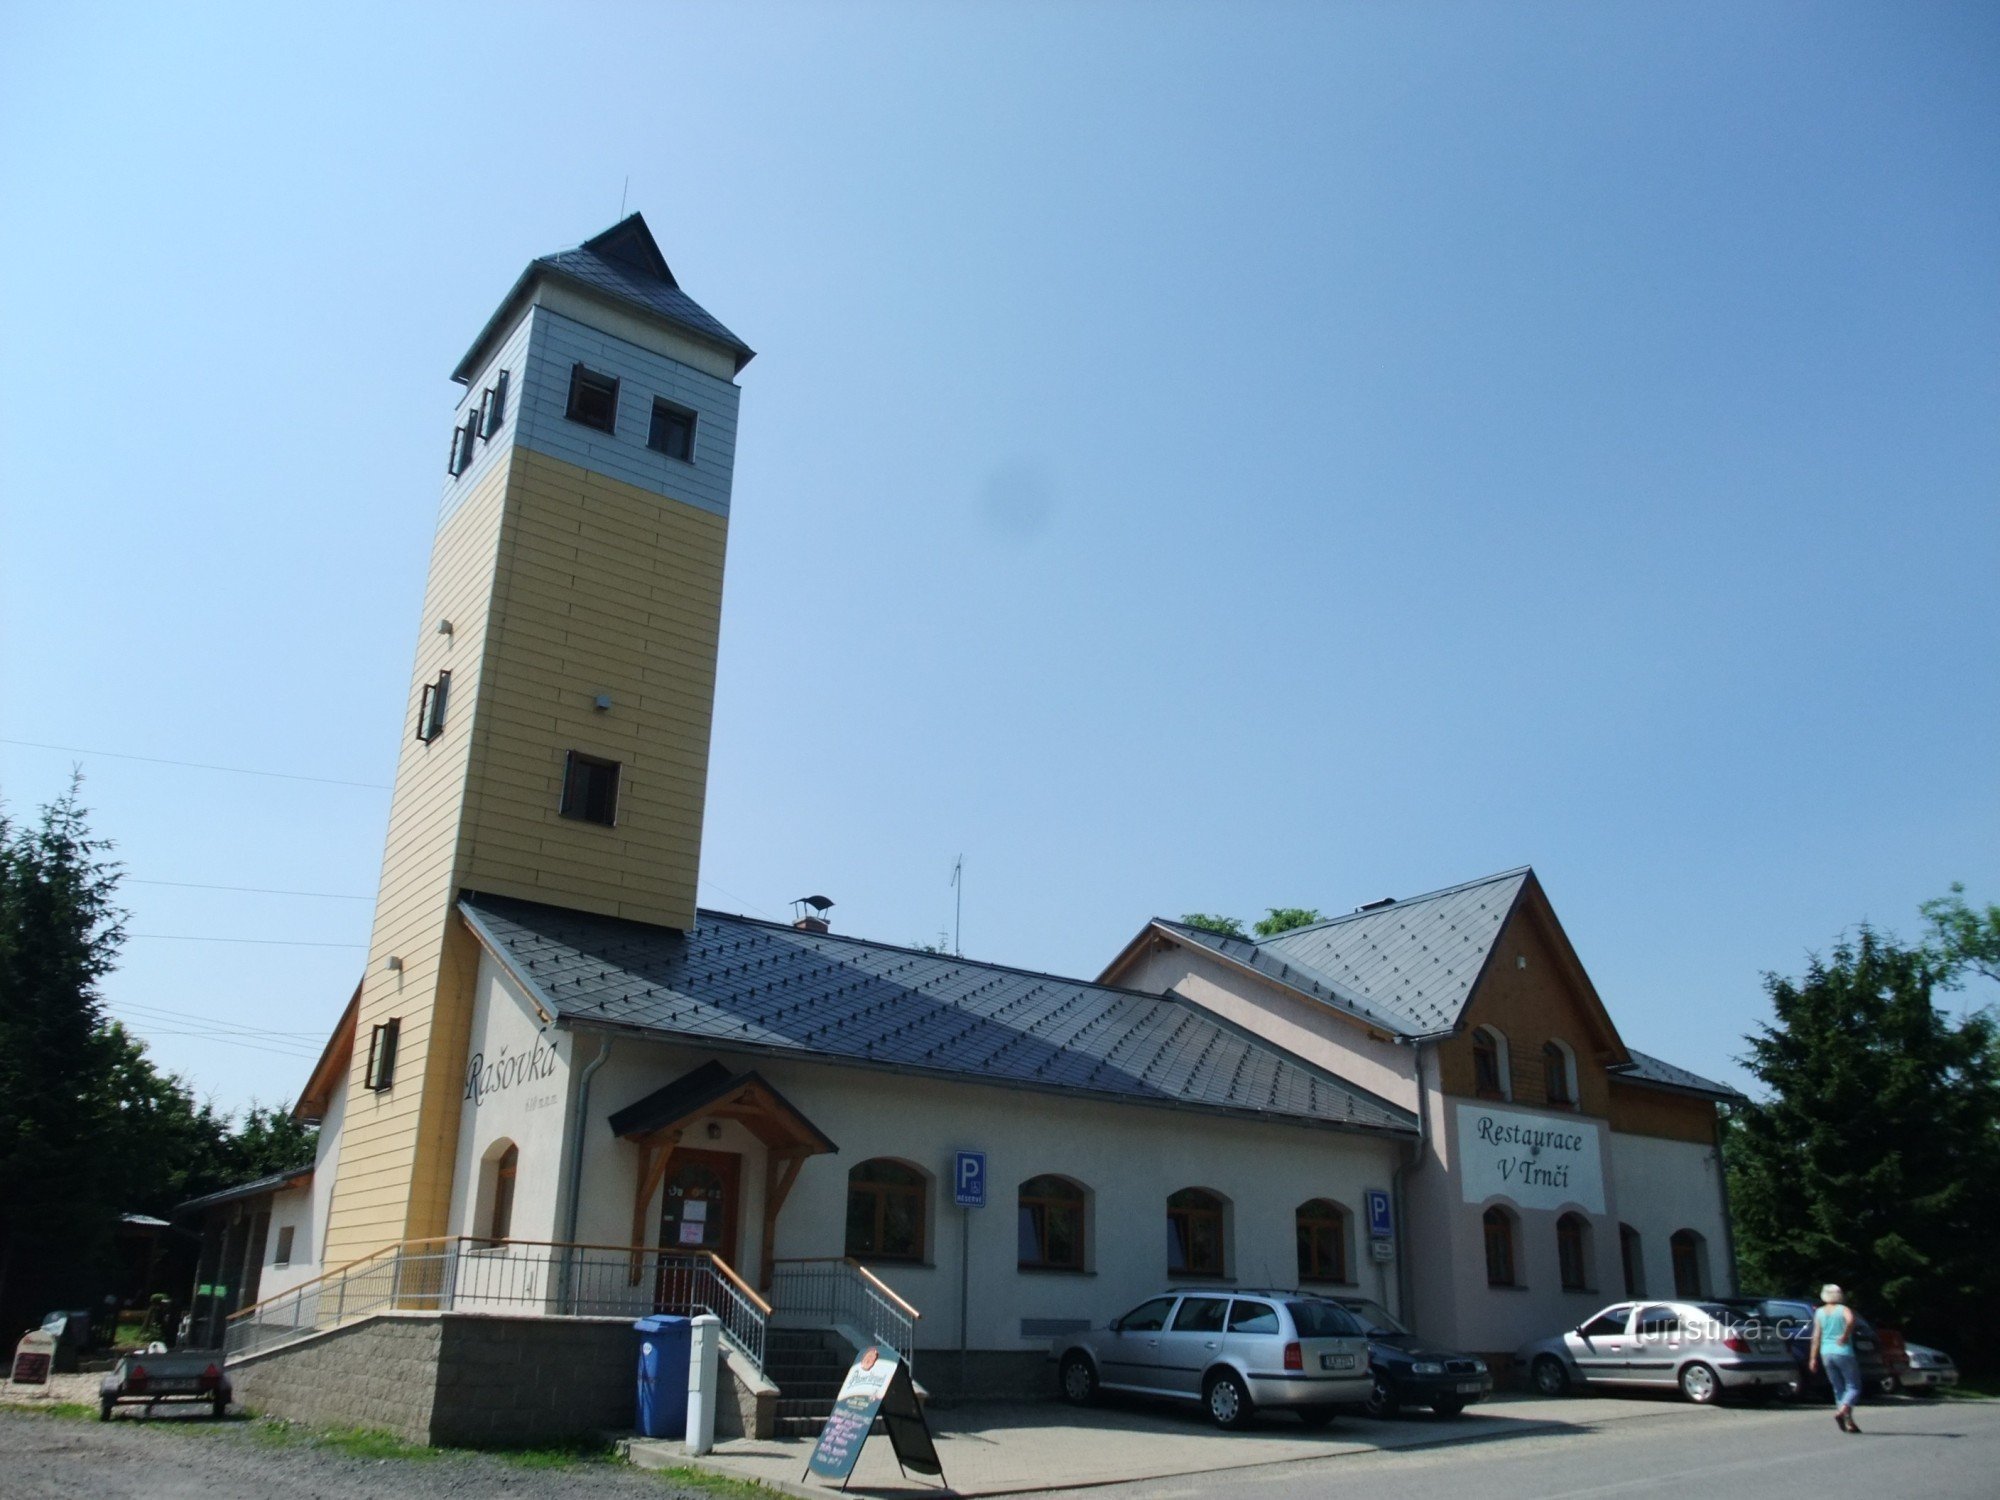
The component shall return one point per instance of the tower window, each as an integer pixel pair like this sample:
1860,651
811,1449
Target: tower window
430,713
593,399
493,406
381,1072
590,789
462,439
672,431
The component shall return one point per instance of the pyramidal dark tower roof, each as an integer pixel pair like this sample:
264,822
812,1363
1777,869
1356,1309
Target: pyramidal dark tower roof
624,267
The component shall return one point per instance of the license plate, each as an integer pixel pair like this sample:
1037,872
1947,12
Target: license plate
1947,1380
173,1385
1468,1388
1336,1361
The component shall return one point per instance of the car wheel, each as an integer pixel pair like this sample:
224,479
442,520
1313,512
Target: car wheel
1551,1376
1888,1385
1079,1381
1448,1408
218,1407
1700,1384
1381,1402
1227,1401
104,1405
1316,1417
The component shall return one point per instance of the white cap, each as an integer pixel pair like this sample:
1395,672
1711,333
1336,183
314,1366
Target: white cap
1831,1293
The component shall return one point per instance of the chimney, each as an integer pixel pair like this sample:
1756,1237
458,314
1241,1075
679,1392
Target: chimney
1376,905
809,913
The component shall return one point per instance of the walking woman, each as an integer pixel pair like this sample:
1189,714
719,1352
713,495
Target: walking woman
1833,1342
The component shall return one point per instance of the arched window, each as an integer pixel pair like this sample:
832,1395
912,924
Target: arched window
1489,1064
1051,1224
1194,1233
497,1170
885,1211
1322,1233
1690,1254
1573,1251
1499,1247
1558,1073
1633,1254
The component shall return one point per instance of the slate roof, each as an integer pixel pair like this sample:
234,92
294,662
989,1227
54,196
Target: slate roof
738,984
1646,1068
1407,966
623,265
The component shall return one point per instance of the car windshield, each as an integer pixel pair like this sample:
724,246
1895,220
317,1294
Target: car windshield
1322,1320
1377,1318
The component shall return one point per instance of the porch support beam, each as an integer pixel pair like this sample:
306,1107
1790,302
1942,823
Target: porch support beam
656,1158
781,1170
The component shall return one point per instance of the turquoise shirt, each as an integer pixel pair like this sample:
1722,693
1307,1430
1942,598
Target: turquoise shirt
1834,1338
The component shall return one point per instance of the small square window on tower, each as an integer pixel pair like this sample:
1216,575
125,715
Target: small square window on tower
672,431
593,399
493,406
381,1072
430,712
590,789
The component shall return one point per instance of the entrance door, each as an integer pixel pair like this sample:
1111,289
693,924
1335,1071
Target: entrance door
699,1205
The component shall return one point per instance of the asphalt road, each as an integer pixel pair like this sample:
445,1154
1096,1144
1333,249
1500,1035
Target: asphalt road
1927,1451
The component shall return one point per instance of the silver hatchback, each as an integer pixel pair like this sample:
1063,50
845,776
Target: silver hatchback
1234,1352
1701,1349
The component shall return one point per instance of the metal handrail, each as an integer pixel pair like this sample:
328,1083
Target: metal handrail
840,1289
542,1277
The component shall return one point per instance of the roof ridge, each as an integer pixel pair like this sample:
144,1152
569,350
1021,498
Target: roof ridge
1394,902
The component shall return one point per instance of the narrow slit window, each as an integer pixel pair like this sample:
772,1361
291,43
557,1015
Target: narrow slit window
284,1255
590,789
672,432
430,712
382,1055
493,406
463,438
593,399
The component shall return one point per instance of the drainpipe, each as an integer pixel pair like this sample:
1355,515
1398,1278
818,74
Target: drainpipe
579,1119
1405,1297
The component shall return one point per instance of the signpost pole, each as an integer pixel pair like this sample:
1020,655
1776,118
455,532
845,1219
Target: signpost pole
964,1289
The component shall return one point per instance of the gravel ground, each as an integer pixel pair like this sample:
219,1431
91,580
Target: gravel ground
173,1457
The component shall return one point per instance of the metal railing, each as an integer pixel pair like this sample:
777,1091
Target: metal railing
514,1276
833,1289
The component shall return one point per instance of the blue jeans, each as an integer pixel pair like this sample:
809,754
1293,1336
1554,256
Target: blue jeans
1843,1373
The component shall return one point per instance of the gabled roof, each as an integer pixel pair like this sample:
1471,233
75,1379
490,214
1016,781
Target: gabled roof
736,984
623,266
1415,960
331,1068
1408,966
1647,1069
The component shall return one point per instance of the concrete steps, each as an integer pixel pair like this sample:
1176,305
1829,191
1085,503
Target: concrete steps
807,1370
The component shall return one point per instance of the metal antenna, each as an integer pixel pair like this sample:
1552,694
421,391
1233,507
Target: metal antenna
958,904
621,194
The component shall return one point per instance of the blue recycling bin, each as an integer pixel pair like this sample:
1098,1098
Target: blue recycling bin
664,1343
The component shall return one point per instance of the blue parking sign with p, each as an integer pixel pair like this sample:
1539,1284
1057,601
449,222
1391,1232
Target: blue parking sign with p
1380,1225
969,1180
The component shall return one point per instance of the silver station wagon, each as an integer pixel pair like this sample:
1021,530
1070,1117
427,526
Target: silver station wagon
1235,1352
1702,1349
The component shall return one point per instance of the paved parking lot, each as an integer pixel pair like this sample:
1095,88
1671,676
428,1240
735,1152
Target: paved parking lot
1139,1450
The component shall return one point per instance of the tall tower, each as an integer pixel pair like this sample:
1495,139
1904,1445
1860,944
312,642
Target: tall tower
556,743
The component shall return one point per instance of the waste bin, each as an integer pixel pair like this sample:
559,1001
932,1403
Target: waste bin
663,1376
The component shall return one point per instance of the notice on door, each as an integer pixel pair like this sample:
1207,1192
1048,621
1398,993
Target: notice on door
1539,1161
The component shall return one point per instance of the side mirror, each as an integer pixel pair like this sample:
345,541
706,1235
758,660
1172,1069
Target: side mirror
1117,1325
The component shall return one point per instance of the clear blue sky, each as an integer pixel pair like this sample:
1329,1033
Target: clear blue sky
1198,458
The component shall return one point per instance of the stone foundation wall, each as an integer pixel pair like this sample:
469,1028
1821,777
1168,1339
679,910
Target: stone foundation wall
988,1375
453,1378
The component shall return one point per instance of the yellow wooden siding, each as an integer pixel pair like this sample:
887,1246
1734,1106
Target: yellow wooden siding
602,588
386,1139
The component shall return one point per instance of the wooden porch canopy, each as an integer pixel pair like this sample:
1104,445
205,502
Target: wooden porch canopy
656,1123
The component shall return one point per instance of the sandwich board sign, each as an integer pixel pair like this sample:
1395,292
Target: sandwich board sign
877,1384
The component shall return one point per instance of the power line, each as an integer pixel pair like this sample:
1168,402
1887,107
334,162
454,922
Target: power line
208,1020
252,890
196,937
197,765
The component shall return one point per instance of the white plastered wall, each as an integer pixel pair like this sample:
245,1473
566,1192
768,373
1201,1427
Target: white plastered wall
304,1208
514,1088
1663,1186
1129,1158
